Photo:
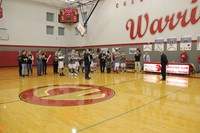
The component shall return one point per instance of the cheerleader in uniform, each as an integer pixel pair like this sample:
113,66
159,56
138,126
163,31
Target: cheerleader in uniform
72,63
77,65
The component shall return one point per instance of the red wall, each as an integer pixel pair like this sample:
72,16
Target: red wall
9,58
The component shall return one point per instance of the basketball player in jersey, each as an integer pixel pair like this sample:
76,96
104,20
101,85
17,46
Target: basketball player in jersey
117,60
123,61
94,61
72,63
77,65
82,61
61,62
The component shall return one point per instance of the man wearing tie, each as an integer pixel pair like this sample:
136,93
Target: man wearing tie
87,62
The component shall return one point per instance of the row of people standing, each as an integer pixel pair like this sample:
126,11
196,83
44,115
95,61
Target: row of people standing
75,60
116,58
107,60
26,60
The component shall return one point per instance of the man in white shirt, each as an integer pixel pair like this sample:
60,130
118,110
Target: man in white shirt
146,57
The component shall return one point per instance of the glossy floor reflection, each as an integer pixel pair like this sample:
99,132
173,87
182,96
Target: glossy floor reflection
108,103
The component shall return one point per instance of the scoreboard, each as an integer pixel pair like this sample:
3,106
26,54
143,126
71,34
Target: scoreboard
68,16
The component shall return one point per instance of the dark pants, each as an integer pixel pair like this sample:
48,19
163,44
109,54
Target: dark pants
44,65
163,72
102,66
87,71
55,68
20,68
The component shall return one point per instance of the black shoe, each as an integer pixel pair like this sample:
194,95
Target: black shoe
163,79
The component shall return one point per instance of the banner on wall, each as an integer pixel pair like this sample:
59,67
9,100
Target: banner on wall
186,43
132,50
147,47
104,50
113,49
198,43
171,68
172,44
159,44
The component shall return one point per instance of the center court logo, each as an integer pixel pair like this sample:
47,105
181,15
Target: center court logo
67,95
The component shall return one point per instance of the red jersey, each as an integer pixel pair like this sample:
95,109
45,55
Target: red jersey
199,58
184,56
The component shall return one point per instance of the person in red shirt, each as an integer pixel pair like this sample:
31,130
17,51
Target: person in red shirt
199,62
184,57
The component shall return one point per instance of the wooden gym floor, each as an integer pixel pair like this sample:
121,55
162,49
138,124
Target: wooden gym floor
107,103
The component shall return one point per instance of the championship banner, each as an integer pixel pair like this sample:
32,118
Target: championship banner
186,43
198,43
159,44
172,44
171,68
132,50
147,47
113,49
104,50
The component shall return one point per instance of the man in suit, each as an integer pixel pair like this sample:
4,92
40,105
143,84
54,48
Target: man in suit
87,62
164,62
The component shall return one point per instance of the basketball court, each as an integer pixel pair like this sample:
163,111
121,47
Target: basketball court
129,102
117,103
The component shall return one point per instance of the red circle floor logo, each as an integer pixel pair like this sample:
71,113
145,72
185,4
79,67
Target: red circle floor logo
67,95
